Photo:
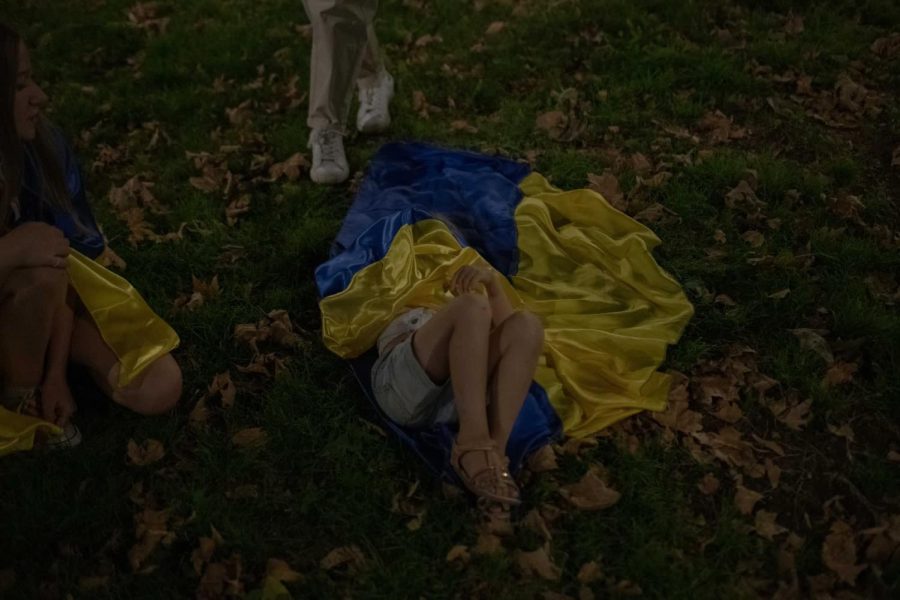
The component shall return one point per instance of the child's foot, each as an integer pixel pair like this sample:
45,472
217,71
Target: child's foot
484,472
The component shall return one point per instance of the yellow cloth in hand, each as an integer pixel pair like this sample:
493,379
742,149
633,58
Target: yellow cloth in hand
17,431
420,261
129,327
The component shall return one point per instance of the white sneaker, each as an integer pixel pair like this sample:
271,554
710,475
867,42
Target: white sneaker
375,95
69,438
329,163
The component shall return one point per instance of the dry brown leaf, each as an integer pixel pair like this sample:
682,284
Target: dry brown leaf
150,530
709,484
844,431
280,570
237,207
765,525
223,387
607,185
553,122
200,413
459,553
754,238
888,46
202,554
720,237
538,562
729,412
640,163
147,452
590,493
427,39
536,523
542,460
840,373
350,556
463,125
720,128
797,416
745,499
250,437
725,300
793,24
652,213
487,543
589,572
773,472
812,339
109,259
780,295
677,416
839,552
495,28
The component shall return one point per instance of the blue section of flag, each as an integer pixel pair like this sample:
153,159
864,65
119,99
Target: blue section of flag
474,193
476,196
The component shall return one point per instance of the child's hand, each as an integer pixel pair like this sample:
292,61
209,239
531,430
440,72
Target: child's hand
57,404
469,277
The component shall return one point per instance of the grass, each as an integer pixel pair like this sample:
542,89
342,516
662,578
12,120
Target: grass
326,478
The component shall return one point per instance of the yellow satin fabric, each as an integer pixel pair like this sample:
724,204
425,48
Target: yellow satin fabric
17,431
130,328
609,311
421,259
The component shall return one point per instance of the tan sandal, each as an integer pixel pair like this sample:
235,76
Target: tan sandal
493,481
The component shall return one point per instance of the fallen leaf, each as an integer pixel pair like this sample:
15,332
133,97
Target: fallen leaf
754,238
150,530
590,493
223,387
148,452
709,484
495,28
249,437
720,237
536,523
589,572
290,169
487,543
773,473
109,259
766,526
793,24
745,499
840,373
607,185
887,47
462,125
844,431
350,556
725,300
542,460
237,207
280,570
839,552
780,295
797,416
812,339
459,553
537,562
553,122
640,163
652,213
427,39
202,554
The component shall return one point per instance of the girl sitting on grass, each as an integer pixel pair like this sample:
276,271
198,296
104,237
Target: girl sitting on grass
471,361
43,211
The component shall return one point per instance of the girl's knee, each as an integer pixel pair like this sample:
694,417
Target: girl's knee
44,286
158,391
526,328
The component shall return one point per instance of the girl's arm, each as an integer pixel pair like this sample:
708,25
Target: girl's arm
467,279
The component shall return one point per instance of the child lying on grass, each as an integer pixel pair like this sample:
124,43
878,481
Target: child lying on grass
472,362
44,324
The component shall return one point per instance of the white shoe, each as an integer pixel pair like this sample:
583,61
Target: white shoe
69,438
329,163
375,95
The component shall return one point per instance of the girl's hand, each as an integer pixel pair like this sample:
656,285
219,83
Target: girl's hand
57,404
34,245
468,277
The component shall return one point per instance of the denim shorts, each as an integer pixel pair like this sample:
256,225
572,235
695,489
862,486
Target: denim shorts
406,393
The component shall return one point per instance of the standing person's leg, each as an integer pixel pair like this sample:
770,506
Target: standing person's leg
376,89
340,36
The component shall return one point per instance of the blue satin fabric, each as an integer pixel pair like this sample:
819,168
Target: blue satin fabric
476,195
87,238
408,182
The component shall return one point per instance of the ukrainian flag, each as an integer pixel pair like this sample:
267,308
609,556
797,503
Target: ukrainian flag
586,269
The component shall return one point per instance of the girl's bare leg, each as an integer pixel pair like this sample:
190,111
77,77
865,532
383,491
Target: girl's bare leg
29,300
456,340
515,347
157,390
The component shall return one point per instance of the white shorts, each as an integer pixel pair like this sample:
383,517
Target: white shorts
406,393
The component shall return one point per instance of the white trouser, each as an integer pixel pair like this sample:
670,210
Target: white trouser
344,48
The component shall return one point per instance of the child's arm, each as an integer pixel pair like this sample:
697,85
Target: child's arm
57,404
466,280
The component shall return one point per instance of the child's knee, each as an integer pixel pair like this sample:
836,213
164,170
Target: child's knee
527,330
38,287
159,390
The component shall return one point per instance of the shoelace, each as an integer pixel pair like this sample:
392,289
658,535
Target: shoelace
328,142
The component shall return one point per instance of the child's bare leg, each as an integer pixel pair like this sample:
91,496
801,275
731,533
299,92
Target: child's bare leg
155,391
515,347
29,300
455,341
